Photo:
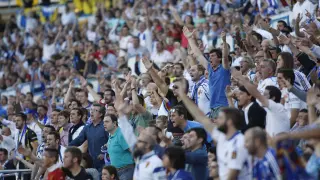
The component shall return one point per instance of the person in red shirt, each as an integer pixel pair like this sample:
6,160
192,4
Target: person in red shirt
50,160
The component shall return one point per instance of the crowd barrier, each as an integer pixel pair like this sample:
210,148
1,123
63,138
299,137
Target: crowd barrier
14,173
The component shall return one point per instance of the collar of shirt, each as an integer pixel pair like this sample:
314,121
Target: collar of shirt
100,123
247,108
148,155
115,133
234,135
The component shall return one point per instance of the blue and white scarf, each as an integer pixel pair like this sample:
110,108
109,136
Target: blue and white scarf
194,92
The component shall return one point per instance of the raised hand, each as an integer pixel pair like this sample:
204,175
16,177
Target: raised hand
308,14
187,33
247,28
228,91
224,36
284,39
147,63
312,96
298,20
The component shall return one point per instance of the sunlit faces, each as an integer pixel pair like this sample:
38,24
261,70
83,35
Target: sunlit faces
54,117
194,73
249,142
62,120
51,141
67,160
176,119
302,119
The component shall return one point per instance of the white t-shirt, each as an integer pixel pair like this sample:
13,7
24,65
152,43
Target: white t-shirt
203,97
277,120
272,81
292,101
48,51
145,168
160,58
231,154
301,8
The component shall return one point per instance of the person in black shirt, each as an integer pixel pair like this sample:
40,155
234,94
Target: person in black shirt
5,163
71,164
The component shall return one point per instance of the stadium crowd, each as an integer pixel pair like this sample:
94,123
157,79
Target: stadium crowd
186,89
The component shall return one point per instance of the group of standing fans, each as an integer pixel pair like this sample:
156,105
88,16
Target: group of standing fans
186,89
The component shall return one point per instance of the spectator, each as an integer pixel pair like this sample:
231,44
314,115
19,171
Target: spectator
95,134
118,149
174,160
63,121
256,143
6,163
50,162
71,162
109,173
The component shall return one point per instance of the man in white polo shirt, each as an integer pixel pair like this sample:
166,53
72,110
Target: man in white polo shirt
267,70
277,120
232,155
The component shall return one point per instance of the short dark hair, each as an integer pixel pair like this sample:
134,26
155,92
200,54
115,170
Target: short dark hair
217,51
287,74
102,109
243,89
5,151
283,22
235,115
50,127
201,133
56,110
181,110
176,156
79,112
74,100
111,91
65,114
55,134
113,118
22,115
44,107
304,110
274,92
75,152
179,64
53,153
112,171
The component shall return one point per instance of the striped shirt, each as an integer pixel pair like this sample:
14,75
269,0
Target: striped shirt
267,167
300,81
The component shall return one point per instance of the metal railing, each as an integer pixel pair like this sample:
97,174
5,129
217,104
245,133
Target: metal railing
15,172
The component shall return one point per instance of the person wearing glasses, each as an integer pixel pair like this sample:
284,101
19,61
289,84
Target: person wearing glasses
95,134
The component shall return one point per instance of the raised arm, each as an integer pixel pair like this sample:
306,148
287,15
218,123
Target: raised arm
176,16
155,77
68,95
312,100
225,51
94,94
194,48
297,27
135,99
196,113
252,89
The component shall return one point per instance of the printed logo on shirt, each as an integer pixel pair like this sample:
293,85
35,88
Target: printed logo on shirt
234,155
147,164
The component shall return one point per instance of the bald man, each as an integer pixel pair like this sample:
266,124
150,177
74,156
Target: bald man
6,141
265,165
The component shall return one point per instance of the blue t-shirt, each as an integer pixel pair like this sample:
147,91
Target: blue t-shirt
180,175
267,167
313,166
218,80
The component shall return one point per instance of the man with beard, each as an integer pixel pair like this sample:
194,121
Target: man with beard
197,157
52,142
147,162
71,164
232,156
265,165
200,90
